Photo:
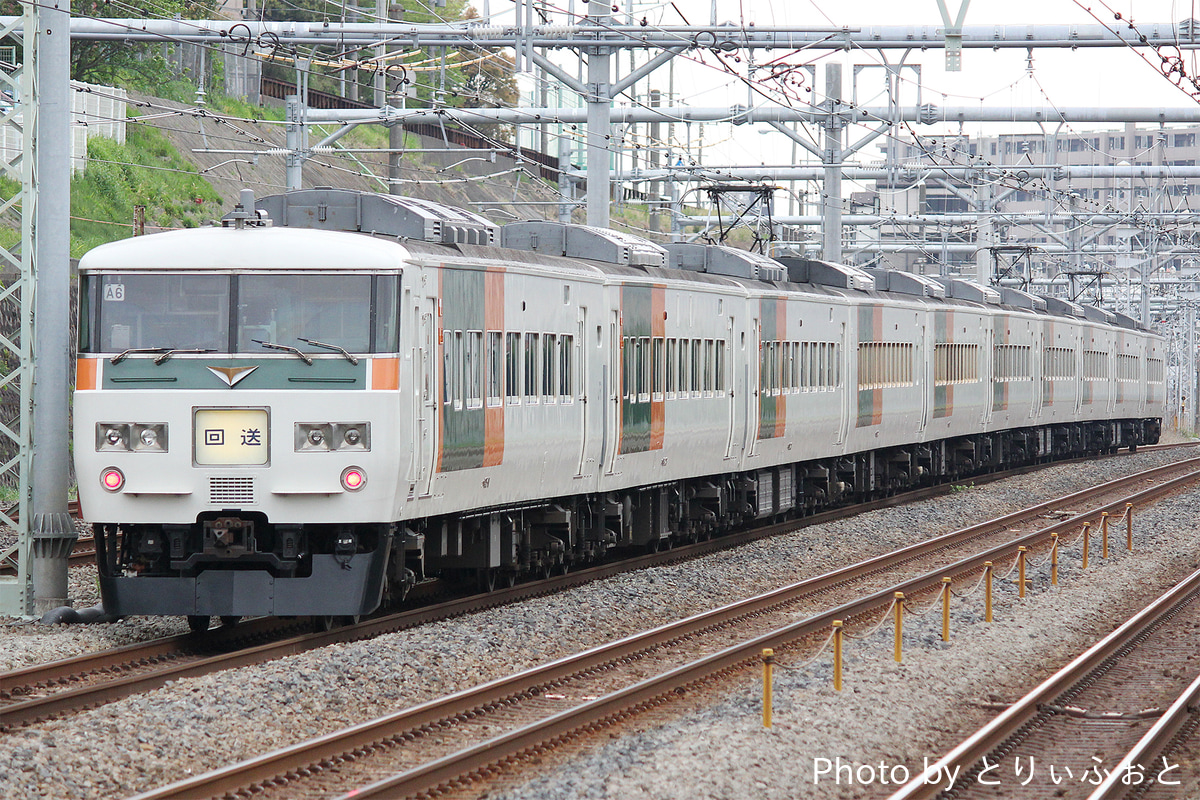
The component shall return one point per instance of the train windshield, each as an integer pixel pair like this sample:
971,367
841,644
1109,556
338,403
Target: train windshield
157,311
232,313
334,309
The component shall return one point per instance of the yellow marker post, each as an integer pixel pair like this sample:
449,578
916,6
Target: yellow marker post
1054,559
1104,534
987,592
768,659
1087,536
1129,527
837,655
899,606
946,609
1021,570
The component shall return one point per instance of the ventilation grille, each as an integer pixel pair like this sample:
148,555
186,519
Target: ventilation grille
230,491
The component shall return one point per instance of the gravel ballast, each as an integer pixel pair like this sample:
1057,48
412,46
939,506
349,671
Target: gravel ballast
889,713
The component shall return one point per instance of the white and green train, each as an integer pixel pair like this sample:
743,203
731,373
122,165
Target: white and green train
334,394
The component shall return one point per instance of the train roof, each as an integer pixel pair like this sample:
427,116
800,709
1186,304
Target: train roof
232,249
307,230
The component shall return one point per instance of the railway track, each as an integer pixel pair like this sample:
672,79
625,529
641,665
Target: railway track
51,690
477,733
1115,711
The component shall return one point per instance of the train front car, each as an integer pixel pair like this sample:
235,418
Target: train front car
237,419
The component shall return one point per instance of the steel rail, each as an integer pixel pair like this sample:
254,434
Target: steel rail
187,646
392,728
1154,742
1012,719
478,760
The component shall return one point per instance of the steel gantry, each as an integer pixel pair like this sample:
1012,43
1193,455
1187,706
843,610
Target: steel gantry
34,316
43,170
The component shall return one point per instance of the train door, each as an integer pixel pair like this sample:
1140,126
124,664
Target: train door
1037,361
988,370
923,385
753,389
727,380
1079,376
849,393
612,395
581,378
426,381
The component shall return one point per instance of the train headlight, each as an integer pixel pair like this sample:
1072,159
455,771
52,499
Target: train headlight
353,479
112,479
352,436
313,436
329,436
150,438
124,437
111,436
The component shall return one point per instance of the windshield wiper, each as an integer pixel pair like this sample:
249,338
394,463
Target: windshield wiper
286,348
165,356
341,350
119,357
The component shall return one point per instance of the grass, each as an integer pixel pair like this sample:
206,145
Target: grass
146,170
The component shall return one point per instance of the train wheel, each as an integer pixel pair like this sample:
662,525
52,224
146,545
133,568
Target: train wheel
323,624
229,622
486,579
199,622
348,620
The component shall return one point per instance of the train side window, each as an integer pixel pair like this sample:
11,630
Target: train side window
386,311
695,371
549,343
657,368
447,367
495,368
643,369
531,367
633,354
708,367
566,372
627,368
719,367
764,369
672,367
684,347
473,369
456,366
512,361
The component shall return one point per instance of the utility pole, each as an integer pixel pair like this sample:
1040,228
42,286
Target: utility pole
655,188
381,13
53,530
832,196
599,88
297,141
397,94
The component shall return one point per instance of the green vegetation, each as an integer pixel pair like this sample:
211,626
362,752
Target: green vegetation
147,170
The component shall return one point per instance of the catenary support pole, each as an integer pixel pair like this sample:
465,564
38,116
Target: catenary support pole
53,531
832,156
599,87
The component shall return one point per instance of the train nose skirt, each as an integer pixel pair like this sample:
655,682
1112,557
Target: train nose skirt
344,585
